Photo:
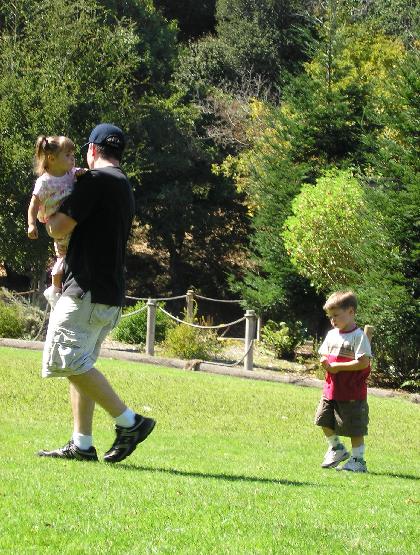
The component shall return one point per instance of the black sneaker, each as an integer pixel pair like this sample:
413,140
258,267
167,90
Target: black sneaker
128,438
71,451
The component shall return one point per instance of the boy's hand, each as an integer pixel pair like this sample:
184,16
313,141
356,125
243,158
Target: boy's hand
32,231
325,363
332,369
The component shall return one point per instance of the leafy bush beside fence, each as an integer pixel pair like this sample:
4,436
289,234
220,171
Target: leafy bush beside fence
188,343
133,329
18,319
282,338
11,321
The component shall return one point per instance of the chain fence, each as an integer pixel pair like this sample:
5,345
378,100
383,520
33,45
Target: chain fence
189,296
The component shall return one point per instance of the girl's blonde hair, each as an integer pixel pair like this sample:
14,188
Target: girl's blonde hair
49,145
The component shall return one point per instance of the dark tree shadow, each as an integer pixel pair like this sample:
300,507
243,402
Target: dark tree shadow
227,477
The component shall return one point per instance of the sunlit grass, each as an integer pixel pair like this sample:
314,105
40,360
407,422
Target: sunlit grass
231,468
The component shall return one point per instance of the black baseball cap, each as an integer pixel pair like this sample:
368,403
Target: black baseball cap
106,134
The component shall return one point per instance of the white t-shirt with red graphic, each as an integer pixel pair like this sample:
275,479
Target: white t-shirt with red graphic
340,346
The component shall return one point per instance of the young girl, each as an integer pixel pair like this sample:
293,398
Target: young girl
54,165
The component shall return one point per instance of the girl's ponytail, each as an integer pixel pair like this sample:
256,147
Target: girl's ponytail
40,158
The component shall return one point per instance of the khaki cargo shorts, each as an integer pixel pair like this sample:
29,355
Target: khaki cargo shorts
346,418
75,334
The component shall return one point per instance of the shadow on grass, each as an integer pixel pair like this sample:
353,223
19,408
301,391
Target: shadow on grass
394,475
227,477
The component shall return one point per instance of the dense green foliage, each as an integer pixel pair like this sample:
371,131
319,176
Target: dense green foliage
54,87
282,338
133,329
232,108
18,318
11,321
335,237
353,107
257,43
189,343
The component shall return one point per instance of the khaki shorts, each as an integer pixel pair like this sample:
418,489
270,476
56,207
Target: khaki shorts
75,334
346,418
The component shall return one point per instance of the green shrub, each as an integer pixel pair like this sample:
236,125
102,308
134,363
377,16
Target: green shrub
18,318
282,338
393,312
186,342
133,329
11,321
411,385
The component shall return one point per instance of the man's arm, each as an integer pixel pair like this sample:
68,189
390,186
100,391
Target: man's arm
59,225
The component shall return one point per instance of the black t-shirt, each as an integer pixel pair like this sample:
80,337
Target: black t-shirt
102,204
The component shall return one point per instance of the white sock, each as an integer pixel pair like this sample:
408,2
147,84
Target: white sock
358,452
126,419
333,441
82,441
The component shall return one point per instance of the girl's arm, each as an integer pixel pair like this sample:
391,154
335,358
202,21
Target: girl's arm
32,213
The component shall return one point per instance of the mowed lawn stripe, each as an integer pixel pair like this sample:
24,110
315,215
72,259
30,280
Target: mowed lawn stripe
232,467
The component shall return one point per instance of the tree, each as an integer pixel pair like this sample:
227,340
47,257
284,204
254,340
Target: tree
54,87
264,41
335,235
324,120
400,18
194,18
394,166
156,42
191,214
338,238
394,172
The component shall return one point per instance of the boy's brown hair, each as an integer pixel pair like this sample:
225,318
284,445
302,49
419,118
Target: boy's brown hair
341,299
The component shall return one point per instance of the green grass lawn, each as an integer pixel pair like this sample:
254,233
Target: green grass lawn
233,467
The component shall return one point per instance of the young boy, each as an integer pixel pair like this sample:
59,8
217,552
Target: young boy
343,409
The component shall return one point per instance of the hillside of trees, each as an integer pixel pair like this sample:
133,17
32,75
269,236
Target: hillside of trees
273,147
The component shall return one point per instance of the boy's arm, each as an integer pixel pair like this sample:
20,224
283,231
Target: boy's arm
32,214
350,366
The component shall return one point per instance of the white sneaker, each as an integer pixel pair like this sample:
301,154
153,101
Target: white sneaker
354,465
334,456
52,296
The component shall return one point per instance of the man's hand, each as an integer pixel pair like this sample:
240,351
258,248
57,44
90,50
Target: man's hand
59,225
32,231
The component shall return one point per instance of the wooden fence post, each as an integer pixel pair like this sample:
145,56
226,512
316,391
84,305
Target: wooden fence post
250,321
190,305
369,332
151,323
259,325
